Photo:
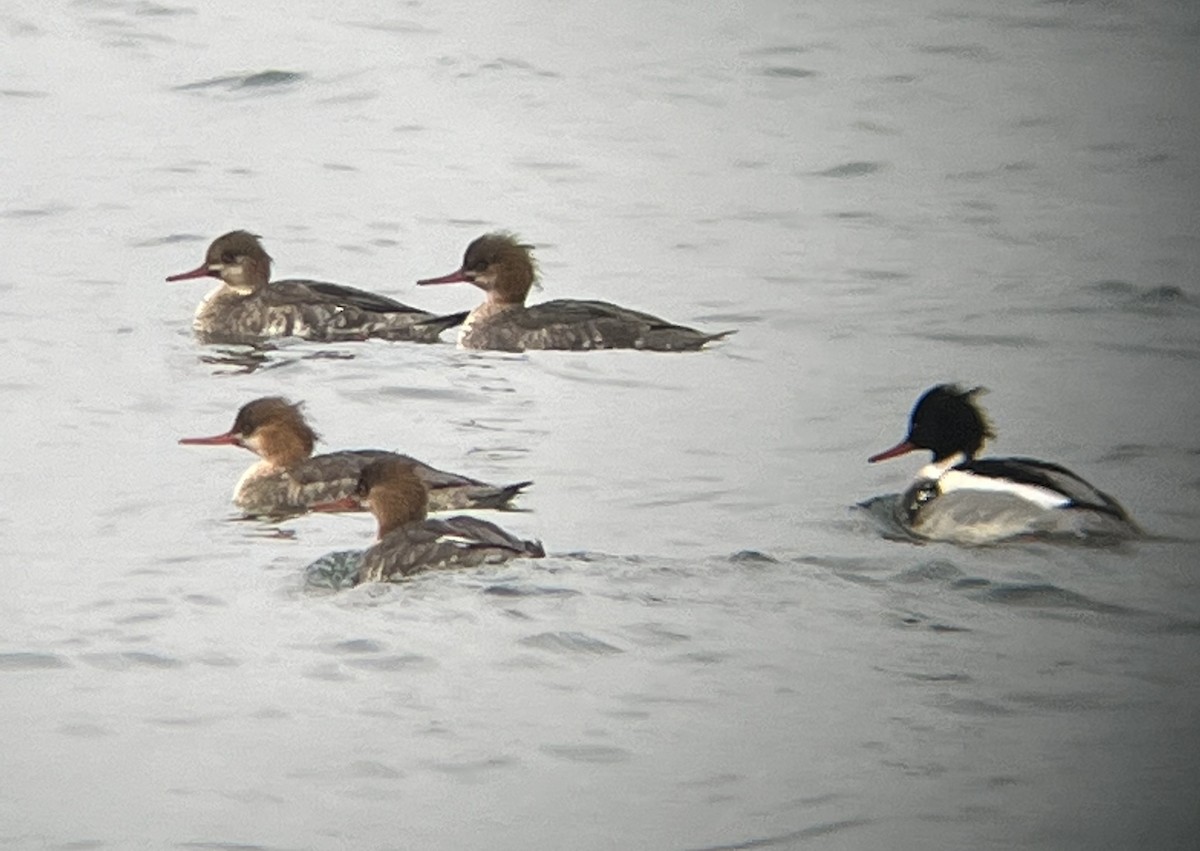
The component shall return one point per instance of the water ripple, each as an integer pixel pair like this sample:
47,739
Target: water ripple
570,643
856,168
788,72
257,80
31,661
814,832
588,753
128,660
1006,341
1037,596
398,662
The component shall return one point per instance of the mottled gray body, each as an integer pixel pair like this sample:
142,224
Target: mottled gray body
266,490
575,325
311,310
439,545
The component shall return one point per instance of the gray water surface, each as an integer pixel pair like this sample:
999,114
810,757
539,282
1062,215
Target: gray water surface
720,652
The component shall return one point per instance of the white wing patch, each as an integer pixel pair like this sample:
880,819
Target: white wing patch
960,480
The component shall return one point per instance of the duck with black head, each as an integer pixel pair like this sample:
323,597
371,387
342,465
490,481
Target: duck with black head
288,479
503,267
408,542
247,308
958,497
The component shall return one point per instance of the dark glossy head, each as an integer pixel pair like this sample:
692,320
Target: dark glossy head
237,258
946,420
499,264
271,427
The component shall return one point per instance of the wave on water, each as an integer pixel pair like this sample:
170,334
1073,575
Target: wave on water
1125,297
257,80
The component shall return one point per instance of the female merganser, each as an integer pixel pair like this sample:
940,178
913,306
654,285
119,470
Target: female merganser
959,498
289,480
504,269
408,542
248,309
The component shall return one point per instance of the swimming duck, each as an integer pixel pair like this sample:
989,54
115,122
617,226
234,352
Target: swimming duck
247,308
958,497
503,267
408,542
288,479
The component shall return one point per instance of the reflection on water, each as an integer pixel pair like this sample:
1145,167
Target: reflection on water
246,359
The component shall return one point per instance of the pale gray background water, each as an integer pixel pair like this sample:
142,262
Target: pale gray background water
880,196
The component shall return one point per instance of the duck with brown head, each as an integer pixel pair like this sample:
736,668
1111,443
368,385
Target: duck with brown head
503,267
247,308
408,542
288,479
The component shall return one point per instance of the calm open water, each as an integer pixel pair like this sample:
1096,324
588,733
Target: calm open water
720,652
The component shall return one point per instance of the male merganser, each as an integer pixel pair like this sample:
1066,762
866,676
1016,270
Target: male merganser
959,498
290,480
248,309
408,542
503,268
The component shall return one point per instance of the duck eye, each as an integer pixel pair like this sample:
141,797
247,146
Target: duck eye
228,258
361,489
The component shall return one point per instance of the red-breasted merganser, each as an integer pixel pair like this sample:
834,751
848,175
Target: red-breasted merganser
503,268
960,498
408,542
248,309
290,480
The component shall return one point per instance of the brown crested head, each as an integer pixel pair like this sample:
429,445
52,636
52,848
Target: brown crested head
275,429
238,259
499,264
393,492
502,265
